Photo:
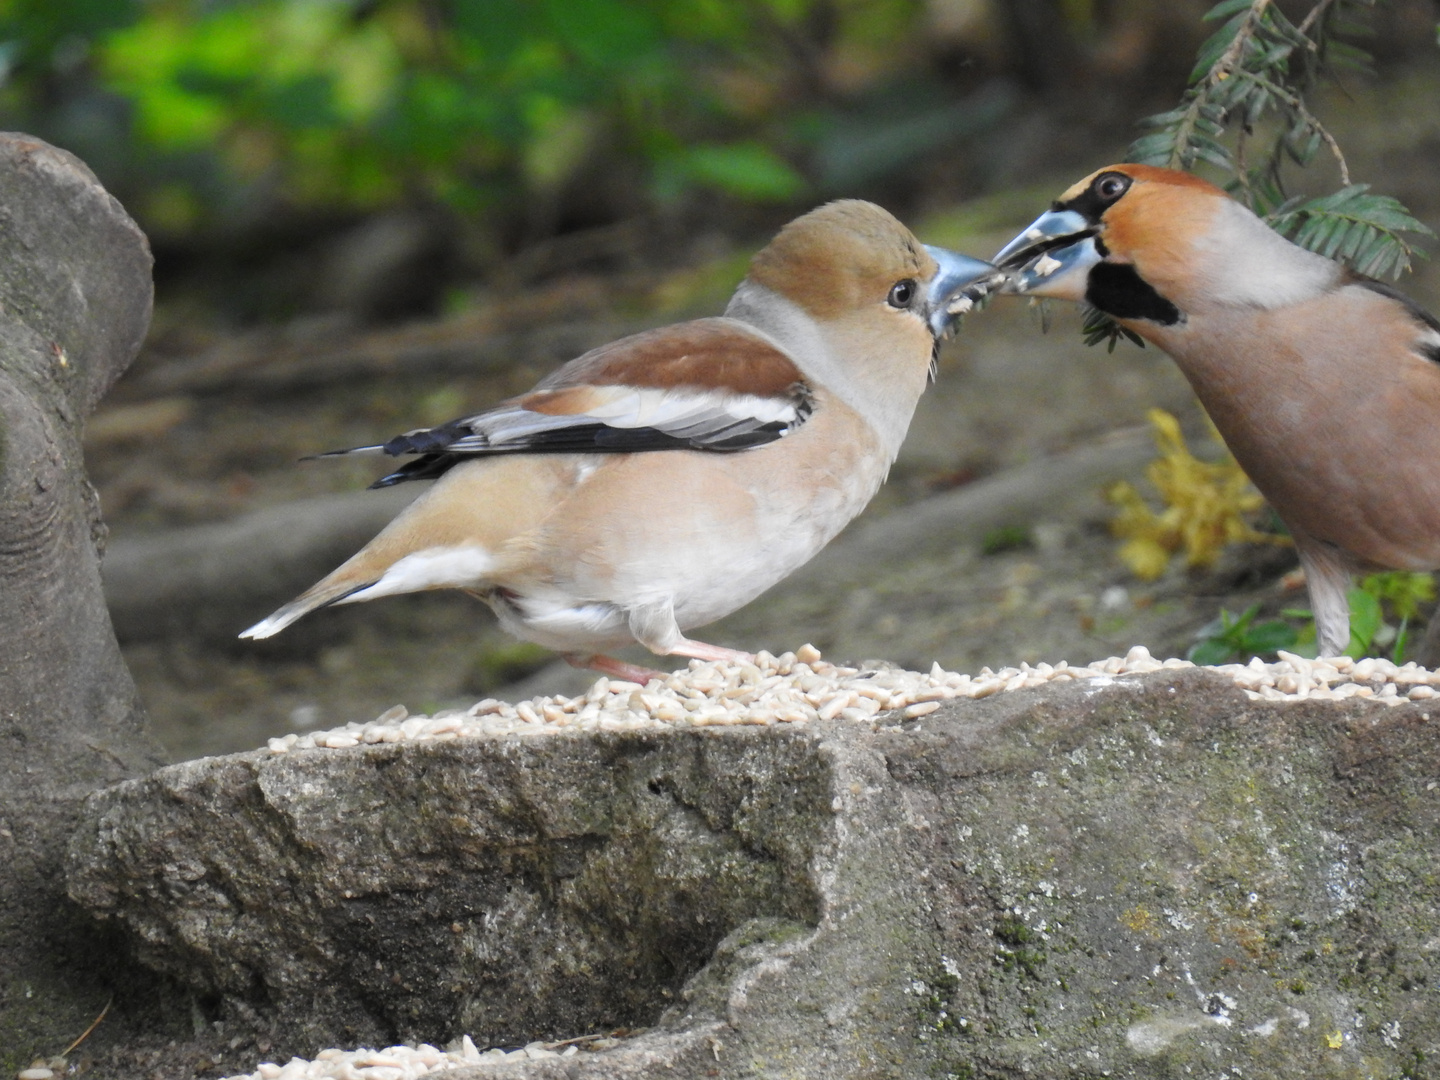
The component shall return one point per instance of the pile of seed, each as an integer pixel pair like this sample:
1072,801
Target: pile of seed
793,687
800,686
1294,678
401,1062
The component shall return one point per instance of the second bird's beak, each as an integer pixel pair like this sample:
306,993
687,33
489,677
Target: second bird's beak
1051,256
956,286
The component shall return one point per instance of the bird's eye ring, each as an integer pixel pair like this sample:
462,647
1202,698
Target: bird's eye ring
1112,185
901,294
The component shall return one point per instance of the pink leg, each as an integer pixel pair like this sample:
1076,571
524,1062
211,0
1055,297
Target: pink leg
616,669
654,626
700,651
619,669
1327,574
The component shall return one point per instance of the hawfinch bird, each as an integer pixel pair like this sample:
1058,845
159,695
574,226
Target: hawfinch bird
662,481
1324,384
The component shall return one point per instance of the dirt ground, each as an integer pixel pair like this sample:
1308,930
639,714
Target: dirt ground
188,440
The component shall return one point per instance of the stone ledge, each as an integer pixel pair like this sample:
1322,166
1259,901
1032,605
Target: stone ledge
1069,880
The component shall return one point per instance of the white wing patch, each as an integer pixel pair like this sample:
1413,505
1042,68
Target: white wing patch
592,418
682,413
1429,345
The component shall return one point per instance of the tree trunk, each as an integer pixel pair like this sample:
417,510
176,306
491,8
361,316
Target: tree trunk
75,298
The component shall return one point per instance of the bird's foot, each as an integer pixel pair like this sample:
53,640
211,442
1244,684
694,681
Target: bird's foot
619,669
698,650
616,669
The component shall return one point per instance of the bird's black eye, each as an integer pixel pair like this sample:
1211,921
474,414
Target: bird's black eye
1110,186
901,294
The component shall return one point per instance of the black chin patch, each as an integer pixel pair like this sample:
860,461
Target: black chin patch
1117,290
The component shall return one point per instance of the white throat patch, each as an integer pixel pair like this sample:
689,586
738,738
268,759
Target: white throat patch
795,332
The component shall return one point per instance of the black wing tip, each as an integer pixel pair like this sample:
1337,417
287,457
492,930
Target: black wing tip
431,440
435,456
423,468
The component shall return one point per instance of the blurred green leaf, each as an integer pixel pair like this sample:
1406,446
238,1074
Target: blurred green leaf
1100,327
1359,228
1403,590
1268,637
1366,619
1211,652
606,33
352,103
1239,637
747,170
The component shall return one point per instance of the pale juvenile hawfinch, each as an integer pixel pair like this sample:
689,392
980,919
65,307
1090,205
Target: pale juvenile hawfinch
660,482
1324,384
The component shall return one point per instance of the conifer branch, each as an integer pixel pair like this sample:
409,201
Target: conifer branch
1260,66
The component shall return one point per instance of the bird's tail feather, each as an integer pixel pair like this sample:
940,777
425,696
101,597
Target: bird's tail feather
317,596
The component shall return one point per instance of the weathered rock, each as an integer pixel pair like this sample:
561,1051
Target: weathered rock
74,305
1157,877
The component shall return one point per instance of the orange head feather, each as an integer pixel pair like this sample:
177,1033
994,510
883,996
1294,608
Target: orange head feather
1157,221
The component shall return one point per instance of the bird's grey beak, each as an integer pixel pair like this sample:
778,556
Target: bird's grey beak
956,286
1043,258
1052,229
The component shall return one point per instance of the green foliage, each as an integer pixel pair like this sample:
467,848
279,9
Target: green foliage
748,170
1237,638
356,103
1378,599
1100,327
1366,621
1259,66
1353,226
1403,591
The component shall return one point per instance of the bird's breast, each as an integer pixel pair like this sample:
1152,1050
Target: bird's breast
1332,415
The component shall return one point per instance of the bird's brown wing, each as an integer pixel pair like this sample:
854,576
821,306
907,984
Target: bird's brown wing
711,384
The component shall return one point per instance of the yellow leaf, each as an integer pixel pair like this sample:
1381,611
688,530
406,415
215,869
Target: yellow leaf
1147,559
1206,506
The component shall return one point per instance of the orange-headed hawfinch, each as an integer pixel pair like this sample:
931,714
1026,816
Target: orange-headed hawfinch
1324,384
662,481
